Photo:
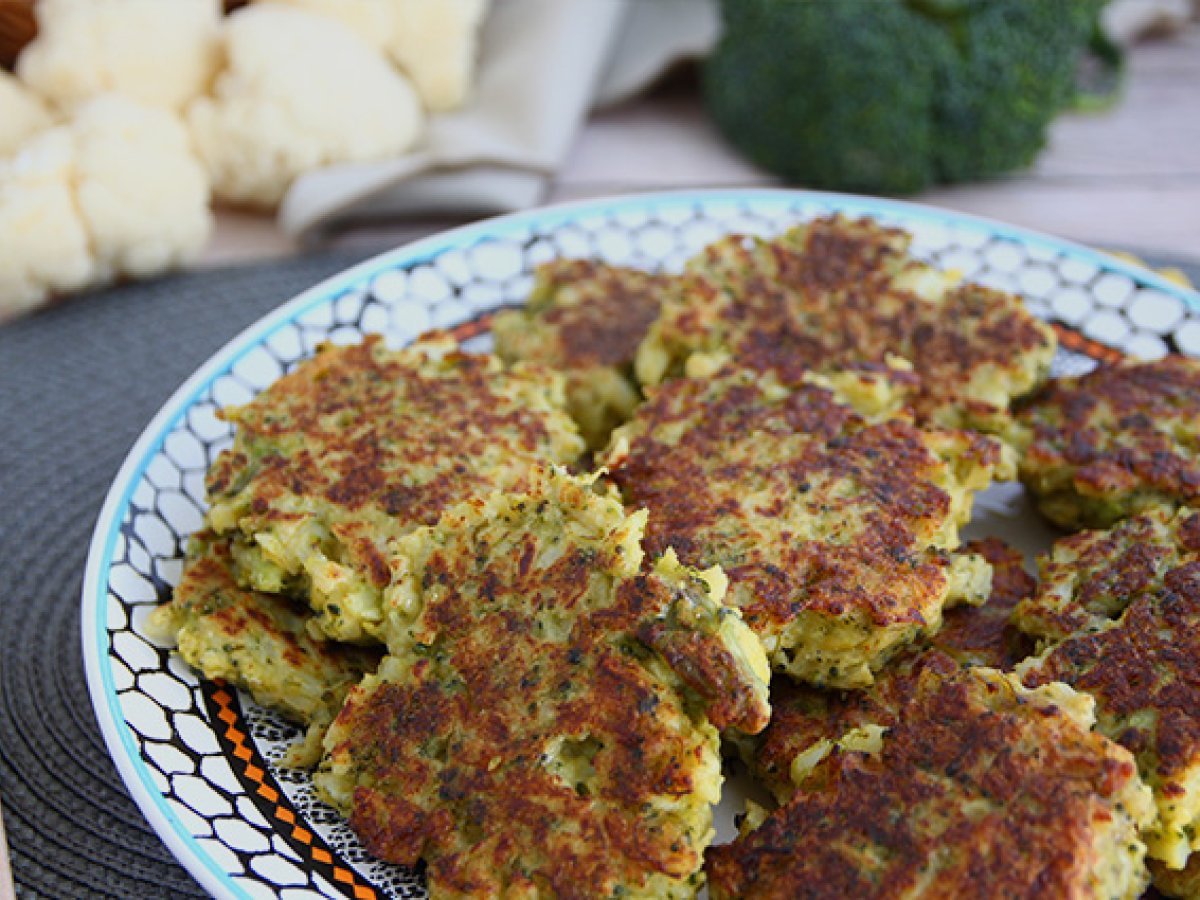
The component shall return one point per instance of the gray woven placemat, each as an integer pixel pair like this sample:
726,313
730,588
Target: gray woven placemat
77,385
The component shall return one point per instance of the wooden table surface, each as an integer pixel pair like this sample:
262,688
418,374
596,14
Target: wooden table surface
1128,177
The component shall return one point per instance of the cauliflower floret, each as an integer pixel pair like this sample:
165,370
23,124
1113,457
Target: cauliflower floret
301,91
22,115
159,53
44,245
372,20
116,191
141,190
435,42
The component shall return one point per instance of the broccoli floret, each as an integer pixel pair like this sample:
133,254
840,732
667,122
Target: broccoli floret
891,95
833,94
1014,71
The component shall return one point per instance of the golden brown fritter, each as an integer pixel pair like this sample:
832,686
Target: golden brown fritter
806,719
979,788
836,292
1088,579
544,725
259,642
586,319
360,445
1132,596
837,532
1114,442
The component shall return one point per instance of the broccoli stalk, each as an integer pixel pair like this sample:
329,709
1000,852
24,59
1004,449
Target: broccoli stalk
890,96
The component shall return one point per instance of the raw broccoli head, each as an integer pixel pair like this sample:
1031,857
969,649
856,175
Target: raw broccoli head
891,95
1014,70
834,94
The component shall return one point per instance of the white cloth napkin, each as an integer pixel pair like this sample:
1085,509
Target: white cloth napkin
543,65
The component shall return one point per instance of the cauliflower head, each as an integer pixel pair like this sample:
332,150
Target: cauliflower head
22,114
159,53
140,189
436,42
372,20
433,41
117,191
44,246
300,91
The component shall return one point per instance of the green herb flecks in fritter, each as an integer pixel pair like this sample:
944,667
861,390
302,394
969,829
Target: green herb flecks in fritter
837,292
1114,443
259,642
586,319
807,719
1119,611
838,532
360,445
546,722
975,786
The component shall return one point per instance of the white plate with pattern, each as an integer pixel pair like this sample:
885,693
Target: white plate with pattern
201,759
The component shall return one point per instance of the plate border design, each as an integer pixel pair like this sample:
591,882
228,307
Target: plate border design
117,732
254,774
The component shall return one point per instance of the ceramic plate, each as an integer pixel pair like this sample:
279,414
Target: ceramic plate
201,759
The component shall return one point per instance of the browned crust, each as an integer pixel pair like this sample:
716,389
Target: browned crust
593,313
528,646
1090,578
825,296
802,716
1182,883
1119,438
364,444
341,427
875,825
737,441
1119,614
705,665
208,589
487,722
1145,662
586,319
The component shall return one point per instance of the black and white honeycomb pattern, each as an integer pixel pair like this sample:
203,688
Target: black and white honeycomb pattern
402,295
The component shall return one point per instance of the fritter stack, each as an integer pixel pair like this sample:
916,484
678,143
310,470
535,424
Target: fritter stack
789,436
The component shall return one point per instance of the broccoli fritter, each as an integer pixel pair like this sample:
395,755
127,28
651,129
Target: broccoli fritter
1120,611
586,319
837,292
259,642
546,723
1088,579
979,786
807,720
360,445
1114,442
837,532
